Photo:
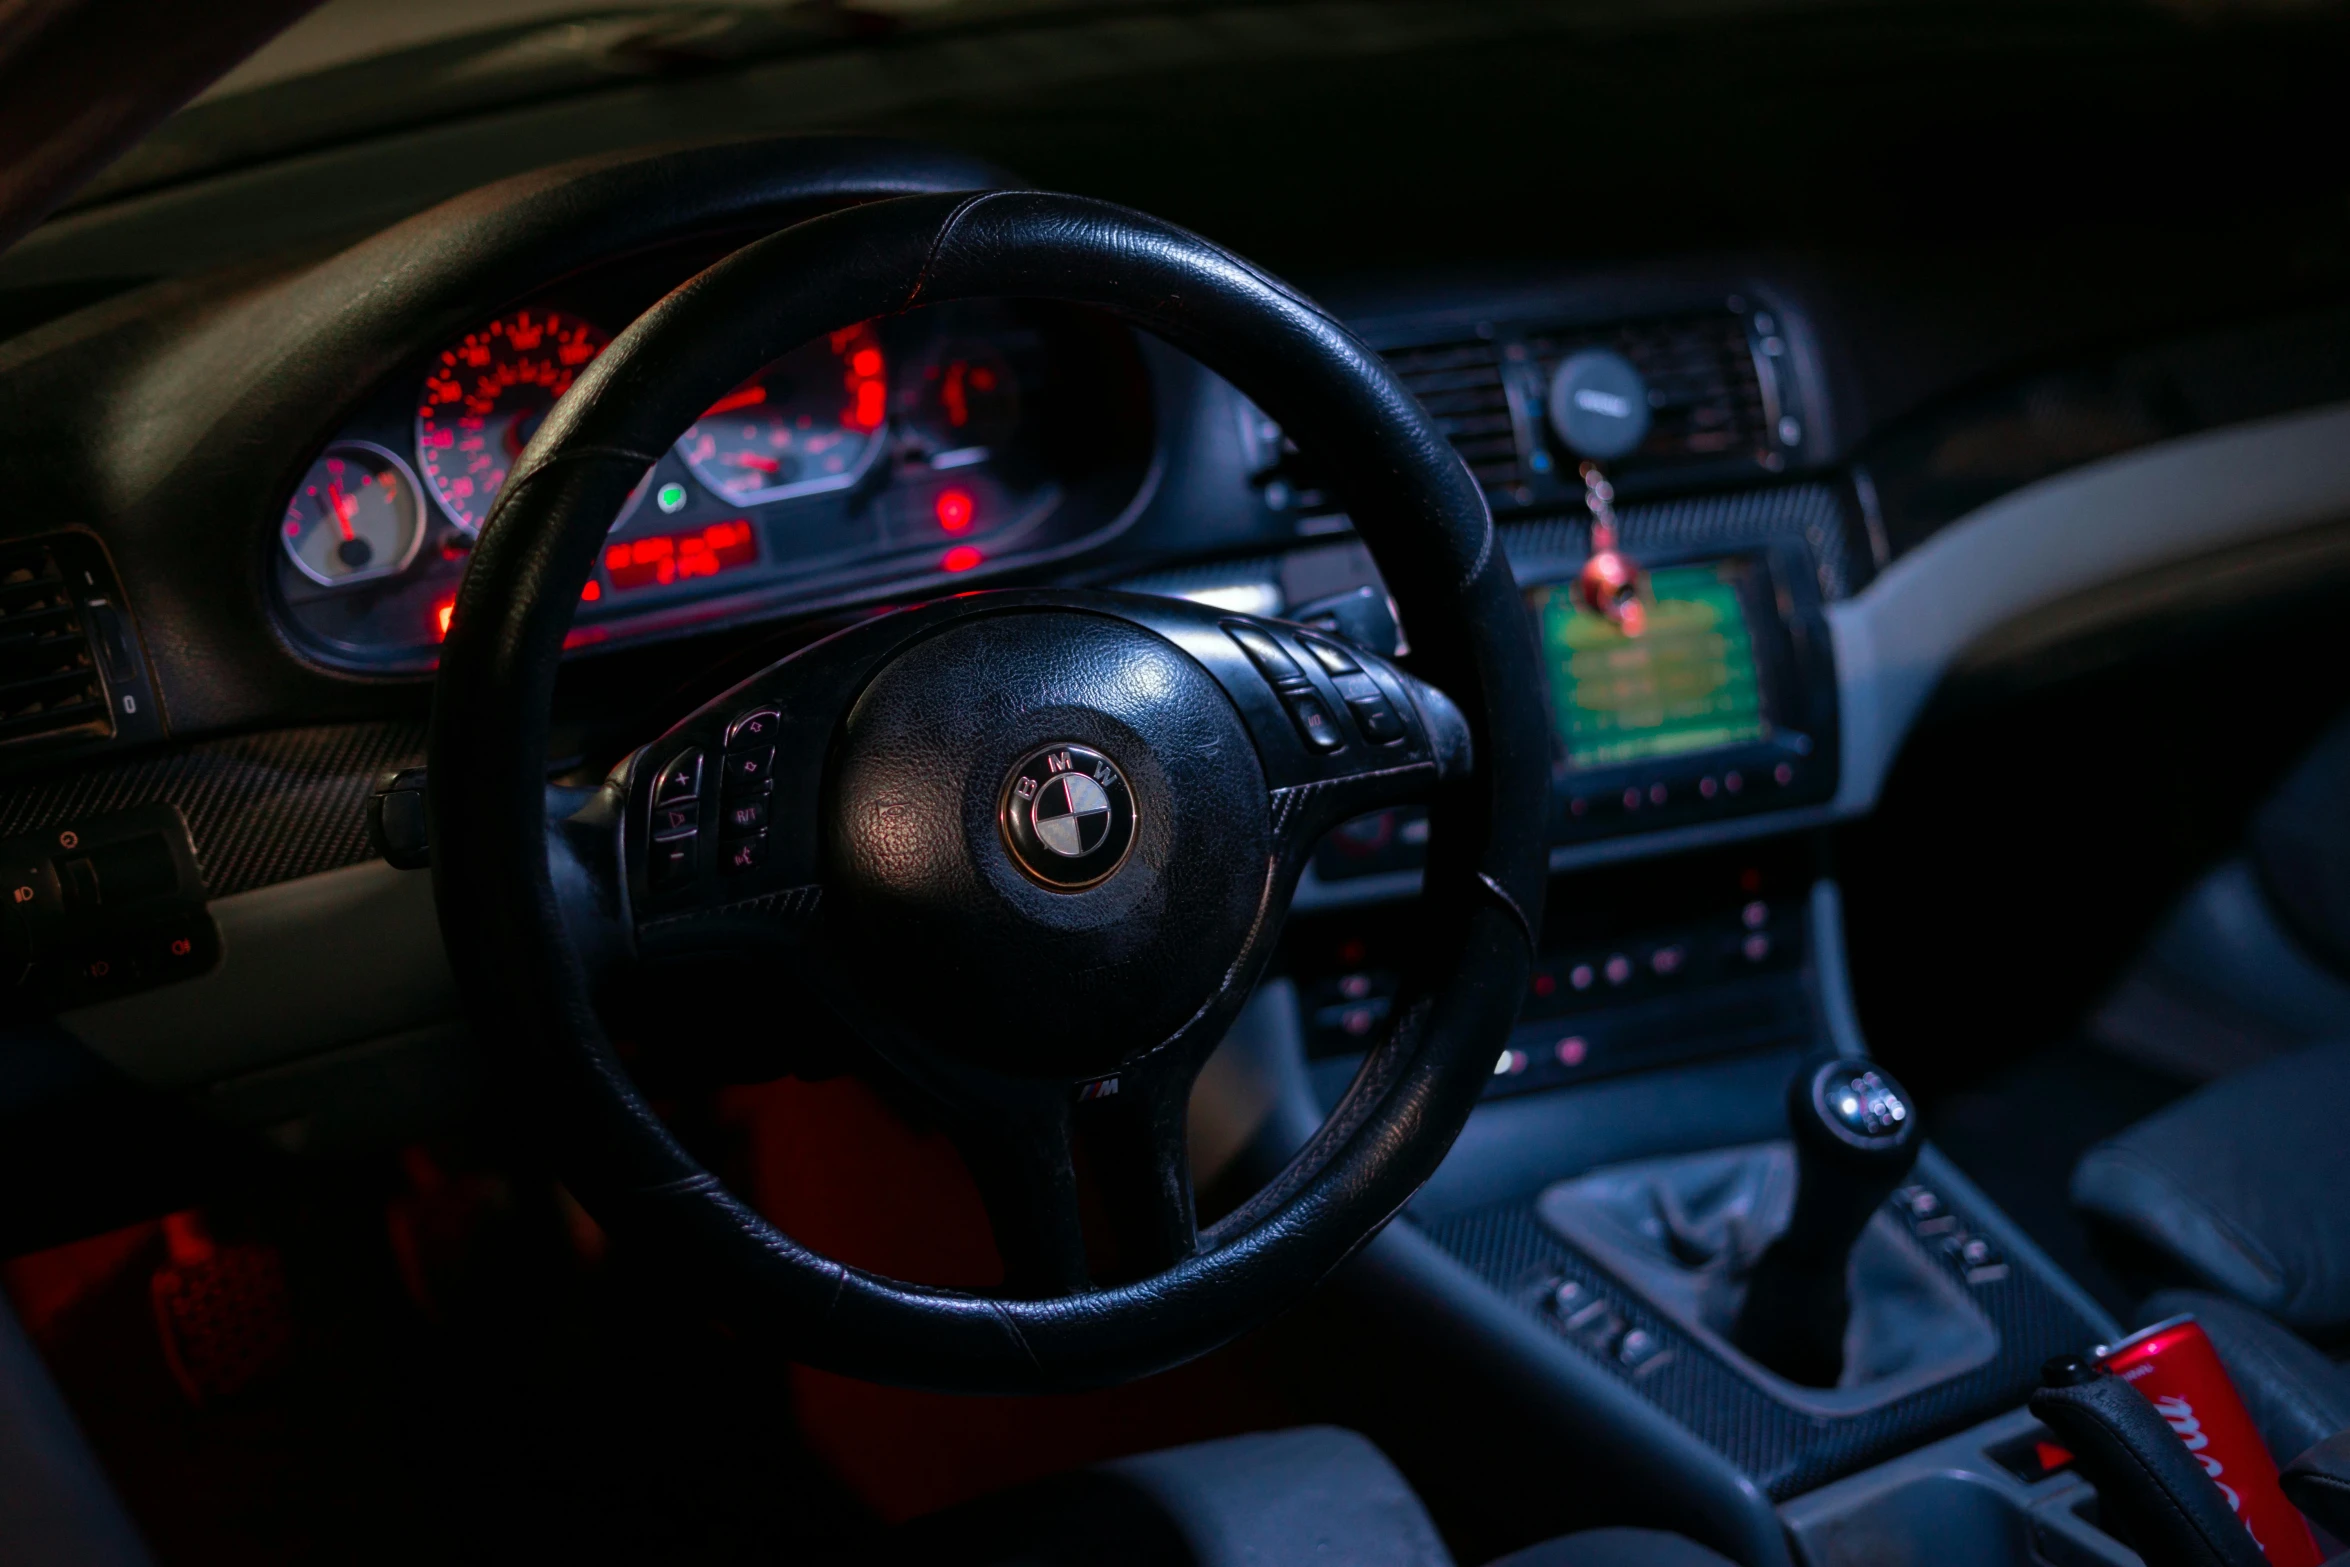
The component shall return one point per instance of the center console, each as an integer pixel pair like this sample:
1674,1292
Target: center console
1590,1255
1722,708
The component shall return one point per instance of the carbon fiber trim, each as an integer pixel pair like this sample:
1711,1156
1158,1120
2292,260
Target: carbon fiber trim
1811,513
262,808
1784,1451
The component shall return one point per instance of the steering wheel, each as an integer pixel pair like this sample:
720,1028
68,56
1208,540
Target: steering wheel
1083,812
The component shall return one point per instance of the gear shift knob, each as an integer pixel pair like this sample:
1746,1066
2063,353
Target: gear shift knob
1856,1139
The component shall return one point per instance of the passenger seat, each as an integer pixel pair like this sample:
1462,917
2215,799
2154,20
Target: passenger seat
2241,1192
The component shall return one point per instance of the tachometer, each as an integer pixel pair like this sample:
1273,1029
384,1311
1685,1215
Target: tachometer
485,397
810,421
356,514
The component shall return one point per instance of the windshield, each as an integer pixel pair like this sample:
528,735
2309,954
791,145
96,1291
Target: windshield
360,67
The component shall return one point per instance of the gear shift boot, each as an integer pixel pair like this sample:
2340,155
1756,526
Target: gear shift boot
1683,1232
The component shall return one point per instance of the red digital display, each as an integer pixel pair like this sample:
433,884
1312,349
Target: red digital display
662,558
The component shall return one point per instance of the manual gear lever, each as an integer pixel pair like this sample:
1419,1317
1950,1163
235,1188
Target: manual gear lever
1856,1138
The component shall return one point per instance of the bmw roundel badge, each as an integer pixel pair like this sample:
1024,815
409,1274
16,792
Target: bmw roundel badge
1067,817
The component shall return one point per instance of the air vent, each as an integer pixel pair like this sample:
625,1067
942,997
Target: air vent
1460,385
49,683
1705,398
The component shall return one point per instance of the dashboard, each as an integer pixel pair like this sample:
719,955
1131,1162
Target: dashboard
1871,455
229,622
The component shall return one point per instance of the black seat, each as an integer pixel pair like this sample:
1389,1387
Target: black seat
2237,1190
1316,1496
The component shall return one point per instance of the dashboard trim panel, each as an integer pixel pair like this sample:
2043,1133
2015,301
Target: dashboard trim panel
2083,529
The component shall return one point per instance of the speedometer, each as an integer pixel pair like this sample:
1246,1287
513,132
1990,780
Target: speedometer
486,396
811,421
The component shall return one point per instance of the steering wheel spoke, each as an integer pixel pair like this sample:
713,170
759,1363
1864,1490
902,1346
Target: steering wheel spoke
1020,1149
1134,1129
1048,1155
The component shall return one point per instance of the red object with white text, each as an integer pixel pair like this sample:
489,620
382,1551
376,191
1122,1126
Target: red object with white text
2174,1366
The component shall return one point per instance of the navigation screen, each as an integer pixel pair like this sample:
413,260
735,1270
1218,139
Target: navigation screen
1687,683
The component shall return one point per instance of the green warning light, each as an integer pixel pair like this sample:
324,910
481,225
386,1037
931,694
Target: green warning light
670,497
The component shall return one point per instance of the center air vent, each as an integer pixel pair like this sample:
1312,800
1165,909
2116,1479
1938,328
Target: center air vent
1706,401
1461,387
49,682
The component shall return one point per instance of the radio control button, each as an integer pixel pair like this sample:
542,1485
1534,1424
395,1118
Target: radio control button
671,862
680,780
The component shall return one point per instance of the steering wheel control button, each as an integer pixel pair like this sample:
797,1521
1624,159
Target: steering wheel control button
670,820
754,728
746,815
671,862
1333,658
1270,657
1068,817
1375,716
748,769
746,854
1313,720
680,780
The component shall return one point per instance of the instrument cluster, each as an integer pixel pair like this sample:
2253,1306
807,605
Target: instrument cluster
905,453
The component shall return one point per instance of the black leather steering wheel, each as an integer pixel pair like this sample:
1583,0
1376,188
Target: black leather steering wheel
1089,809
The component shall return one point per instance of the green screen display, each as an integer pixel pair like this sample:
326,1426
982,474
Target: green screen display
1687,683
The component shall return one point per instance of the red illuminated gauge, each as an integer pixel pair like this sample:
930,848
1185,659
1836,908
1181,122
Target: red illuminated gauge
485,397
966,405
356,514
811,421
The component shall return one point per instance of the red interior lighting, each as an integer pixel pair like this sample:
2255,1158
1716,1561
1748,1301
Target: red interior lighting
954,510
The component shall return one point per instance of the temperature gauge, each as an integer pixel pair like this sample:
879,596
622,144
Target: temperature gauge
356,514
966,404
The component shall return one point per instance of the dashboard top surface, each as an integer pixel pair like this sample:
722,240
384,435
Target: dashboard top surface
1840,371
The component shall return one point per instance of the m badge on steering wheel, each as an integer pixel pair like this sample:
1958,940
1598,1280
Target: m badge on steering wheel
1067,817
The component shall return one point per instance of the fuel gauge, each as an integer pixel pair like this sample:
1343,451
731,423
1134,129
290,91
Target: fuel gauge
356,514
965,405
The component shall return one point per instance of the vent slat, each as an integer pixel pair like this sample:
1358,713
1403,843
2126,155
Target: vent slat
1461,387
49,681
